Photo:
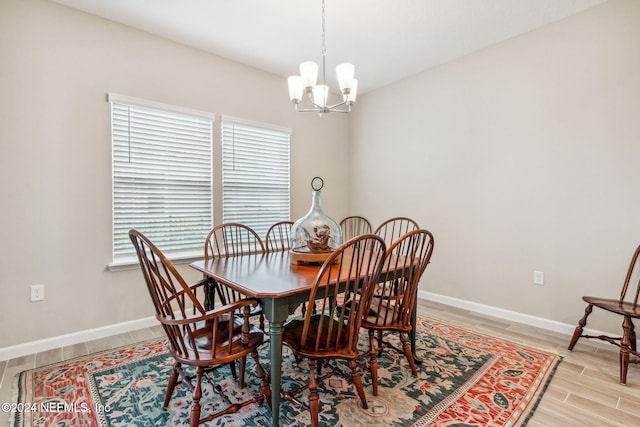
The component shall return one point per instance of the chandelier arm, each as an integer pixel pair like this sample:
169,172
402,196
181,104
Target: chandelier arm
321,108
317,106
339,104
347,110
306,110
318,109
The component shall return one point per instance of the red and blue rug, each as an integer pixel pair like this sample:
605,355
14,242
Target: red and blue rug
466,379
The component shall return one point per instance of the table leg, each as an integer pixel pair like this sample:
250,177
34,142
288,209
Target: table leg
210,294
275,352
277,312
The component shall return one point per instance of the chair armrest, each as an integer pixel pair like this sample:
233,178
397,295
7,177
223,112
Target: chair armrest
230,309
202,282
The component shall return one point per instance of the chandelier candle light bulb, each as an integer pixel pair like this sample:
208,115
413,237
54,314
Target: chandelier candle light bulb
320,95
345,74
309,74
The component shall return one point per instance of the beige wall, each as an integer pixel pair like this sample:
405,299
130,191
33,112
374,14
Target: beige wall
521,157
56,66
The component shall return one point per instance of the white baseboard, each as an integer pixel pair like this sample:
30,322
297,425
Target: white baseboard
513,316
38,346
32,347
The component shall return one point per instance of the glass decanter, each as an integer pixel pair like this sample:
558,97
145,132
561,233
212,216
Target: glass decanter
316,235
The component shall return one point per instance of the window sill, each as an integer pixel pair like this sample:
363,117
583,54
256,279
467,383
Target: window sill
133,264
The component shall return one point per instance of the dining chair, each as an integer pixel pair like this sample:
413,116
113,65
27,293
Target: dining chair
232,239
278,238
229,240
197,337
393,228
394,298
329,334
353,226
628,308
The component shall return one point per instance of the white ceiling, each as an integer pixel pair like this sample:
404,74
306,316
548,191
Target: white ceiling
386,40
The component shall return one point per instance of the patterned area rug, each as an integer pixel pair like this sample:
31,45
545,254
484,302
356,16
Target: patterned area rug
466,379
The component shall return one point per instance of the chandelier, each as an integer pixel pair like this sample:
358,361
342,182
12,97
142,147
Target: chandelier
318,94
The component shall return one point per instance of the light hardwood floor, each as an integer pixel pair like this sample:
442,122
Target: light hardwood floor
584,391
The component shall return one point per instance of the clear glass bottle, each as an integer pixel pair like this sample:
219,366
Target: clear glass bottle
315,235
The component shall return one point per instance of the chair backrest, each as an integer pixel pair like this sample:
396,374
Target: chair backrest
351,269
173,299
393,228
395,295
232,239
279,237
353,226
169,292
632,278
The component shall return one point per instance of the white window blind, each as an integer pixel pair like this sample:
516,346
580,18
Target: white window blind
255,174
162,177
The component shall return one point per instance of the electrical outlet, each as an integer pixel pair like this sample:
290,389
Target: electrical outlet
538,278
37,292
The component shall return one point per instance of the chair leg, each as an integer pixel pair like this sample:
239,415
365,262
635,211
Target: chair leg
357,381
373,362
625,344
197,394
173,380
264,378
232,366
581,324
243,365
406,346
314,405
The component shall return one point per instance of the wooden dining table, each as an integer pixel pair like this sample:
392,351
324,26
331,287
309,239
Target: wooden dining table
280,286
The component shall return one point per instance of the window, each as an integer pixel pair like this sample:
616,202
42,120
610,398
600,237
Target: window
162,177
255,174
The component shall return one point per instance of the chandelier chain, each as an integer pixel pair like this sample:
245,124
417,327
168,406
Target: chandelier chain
324,46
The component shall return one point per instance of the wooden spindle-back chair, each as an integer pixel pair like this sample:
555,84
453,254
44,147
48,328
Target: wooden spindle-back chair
197,336
329,333
627,307
394,298
393,228
278,238
353,226
229,240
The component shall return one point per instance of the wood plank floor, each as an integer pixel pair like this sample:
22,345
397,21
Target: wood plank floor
584,391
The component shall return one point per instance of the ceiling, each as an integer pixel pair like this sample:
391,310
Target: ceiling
386,40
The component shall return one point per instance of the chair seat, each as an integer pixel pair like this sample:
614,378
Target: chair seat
382,315
292,336
207,350
615,306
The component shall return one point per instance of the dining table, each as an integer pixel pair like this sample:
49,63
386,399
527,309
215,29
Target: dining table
280,286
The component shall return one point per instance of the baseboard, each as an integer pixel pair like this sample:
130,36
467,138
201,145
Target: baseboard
32,347
38,346
513,316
